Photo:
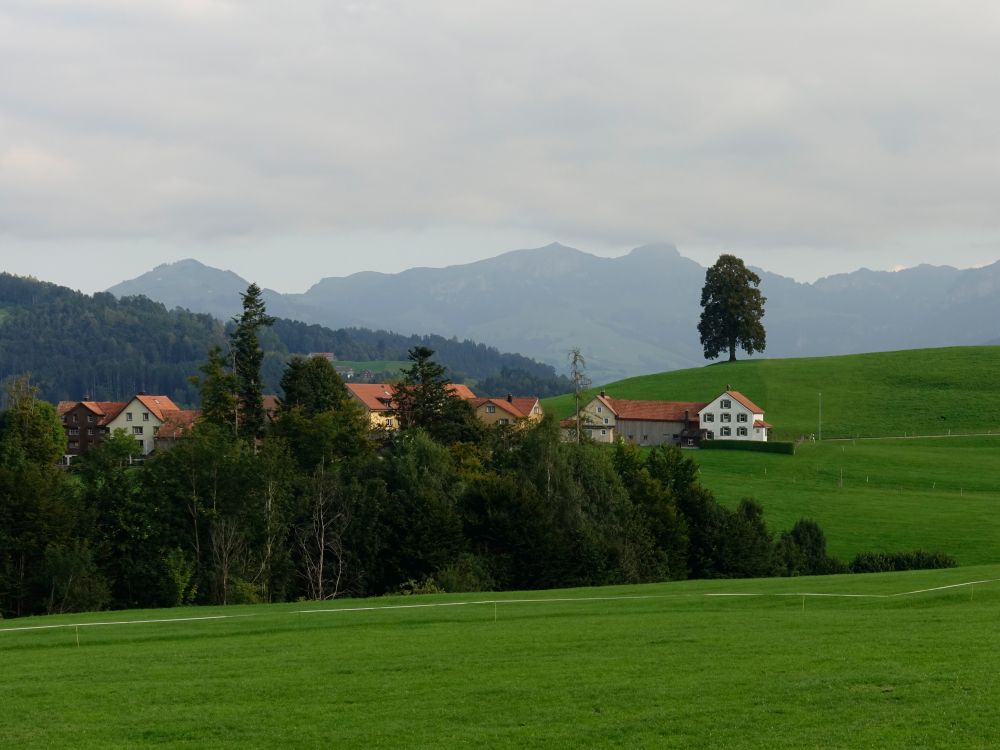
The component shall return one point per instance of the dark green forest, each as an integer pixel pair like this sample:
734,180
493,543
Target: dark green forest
76,345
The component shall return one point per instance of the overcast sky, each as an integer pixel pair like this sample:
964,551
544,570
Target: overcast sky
290,141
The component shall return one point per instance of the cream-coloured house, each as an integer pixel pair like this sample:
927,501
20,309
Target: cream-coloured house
606,419
142,418
732,416
508,410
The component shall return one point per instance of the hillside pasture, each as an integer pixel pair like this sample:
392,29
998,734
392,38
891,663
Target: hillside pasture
907,660
914,392
940,494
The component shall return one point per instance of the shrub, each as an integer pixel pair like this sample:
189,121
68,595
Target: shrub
468,573
802,551
891,562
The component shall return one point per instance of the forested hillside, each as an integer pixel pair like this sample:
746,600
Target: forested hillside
76,345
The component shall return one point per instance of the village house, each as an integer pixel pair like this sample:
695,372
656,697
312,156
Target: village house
378,400
86,423
732,416
508,410
729,416
142,418
605,420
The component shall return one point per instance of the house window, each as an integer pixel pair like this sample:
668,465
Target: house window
128,416
73,419
605,420
136,430
741,431
709,417
90,419
710,435
726,417
74,431
90,430
503,420
726,403
491,409
741,417
73,445
725,432
604,432
145,416
600,409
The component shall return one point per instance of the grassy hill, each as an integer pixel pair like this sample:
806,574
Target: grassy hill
940,494
922,391
910,660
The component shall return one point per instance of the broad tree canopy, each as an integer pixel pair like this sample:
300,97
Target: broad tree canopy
732,309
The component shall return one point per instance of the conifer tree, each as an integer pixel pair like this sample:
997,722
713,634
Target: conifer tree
247,360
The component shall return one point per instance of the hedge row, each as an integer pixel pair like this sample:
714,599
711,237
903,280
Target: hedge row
750,445
892,562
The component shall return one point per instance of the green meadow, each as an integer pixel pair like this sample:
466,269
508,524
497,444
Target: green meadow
660,666
922,391
940,494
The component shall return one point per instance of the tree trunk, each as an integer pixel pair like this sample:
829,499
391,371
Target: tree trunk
732,351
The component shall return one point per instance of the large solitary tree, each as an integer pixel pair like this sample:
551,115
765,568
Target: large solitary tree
732,309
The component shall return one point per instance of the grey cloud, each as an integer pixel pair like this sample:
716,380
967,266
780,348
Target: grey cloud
765,127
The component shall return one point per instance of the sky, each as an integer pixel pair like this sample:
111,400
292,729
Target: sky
293,141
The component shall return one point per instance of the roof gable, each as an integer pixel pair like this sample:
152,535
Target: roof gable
737,396
157,404
520,407
382,396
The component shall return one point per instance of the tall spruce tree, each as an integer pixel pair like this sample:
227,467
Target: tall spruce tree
247,359
732,309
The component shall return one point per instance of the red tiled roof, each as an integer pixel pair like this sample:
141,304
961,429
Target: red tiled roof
64,406
157,404
654,411
374,396
520,406
461,390
178,423
746,402
761,423
381,396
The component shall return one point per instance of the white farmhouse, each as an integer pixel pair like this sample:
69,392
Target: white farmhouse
732,416
142,419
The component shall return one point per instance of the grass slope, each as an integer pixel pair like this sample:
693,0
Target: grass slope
668,668
923,391
939,494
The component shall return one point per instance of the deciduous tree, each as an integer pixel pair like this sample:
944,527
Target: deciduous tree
732,309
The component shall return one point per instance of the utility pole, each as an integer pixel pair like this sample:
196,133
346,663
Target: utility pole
820,433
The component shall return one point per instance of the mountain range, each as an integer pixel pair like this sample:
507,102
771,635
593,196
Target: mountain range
629,315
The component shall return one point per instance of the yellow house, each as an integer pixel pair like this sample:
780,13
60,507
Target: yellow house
379,400
508,410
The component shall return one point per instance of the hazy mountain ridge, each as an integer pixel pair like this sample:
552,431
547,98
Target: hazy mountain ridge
633,314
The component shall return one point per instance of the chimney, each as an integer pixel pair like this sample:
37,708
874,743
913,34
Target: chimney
510,399
603,394
686,417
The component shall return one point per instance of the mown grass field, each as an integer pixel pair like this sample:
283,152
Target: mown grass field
940,494
923,391
667,667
